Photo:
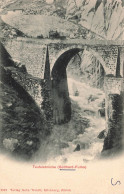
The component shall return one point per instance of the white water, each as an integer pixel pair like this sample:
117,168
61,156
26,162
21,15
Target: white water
90,145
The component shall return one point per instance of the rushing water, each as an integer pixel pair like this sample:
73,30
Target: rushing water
61,145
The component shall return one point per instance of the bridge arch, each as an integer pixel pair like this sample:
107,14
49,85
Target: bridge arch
60,65
64,52
61,99
100,58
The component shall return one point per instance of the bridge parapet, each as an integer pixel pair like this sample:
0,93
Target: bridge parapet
32,53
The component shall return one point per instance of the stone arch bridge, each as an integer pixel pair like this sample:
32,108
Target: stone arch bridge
49,63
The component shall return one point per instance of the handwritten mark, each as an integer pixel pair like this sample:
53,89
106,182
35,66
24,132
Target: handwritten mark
117,182
68,169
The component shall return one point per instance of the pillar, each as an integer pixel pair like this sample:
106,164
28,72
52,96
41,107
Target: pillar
61,101
114,115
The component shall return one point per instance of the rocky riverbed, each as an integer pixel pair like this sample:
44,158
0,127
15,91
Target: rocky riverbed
79,139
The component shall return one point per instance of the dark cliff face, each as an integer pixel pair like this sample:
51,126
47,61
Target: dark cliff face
5,58
22,123
113,143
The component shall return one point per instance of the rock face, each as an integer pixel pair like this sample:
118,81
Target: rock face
114,140
98,19
102,17
22,123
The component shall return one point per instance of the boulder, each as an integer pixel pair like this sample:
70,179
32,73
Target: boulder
77,148
92,98
10,144
101,112
102,134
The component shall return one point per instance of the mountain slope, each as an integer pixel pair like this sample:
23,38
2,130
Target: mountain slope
103,17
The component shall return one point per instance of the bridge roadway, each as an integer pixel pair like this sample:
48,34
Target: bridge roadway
82,42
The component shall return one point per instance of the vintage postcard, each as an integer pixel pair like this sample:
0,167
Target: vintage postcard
62,96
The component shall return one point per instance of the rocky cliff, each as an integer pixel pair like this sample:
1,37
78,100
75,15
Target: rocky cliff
23,124
104,18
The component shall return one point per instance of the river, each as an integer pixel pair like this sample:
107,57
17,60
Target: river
68,143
